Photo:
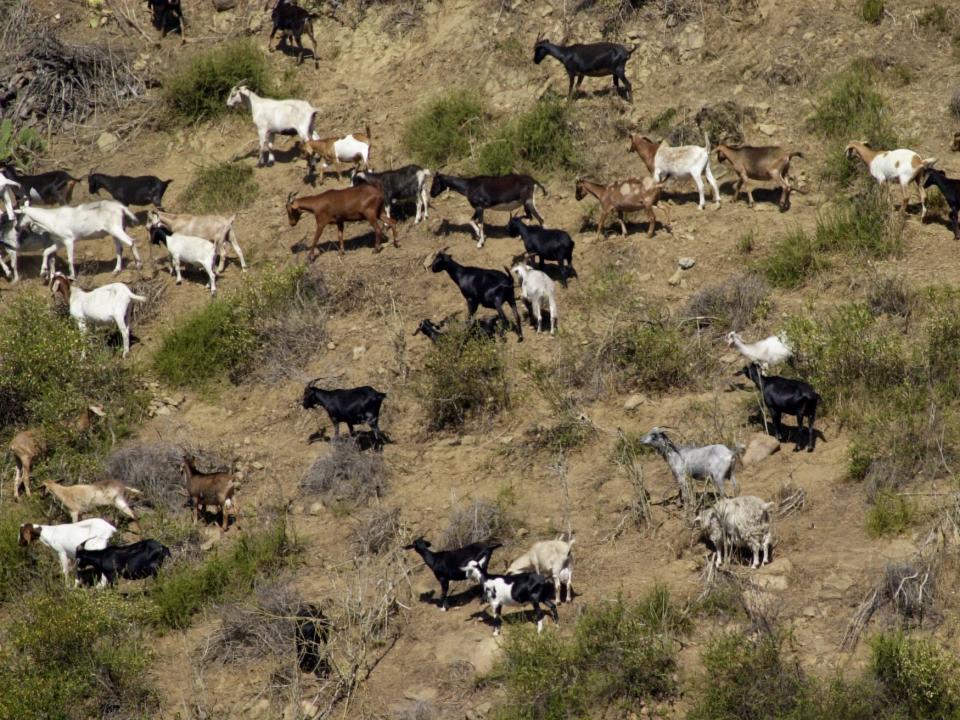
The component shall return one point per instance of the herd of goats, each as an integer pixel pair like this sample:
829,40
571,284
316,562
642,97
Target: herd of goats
38,215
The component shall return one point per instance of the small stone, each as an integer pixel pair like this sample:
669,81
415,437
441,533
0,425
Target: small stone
522,532
426,694
298,509
316,508
257,465
686,262
162,410
675,278
771,582
730,358
810,611
359,351
453,442
645,277
106,140
762,107
760,447
767,128
634,401
331,345
246,440
506,439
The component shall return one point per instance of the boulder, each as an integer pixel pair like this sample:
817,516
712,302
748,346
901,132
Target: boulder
759,447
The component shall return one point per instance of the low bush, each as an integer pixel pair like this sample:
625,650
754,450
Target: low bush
891,514
197,90
379,531
220,188
936,18
916,676
651,355
889,295
733,304
791,260
539,140
872,10
18,565
346,475
480,521
443,131
619,655
152,468
19,146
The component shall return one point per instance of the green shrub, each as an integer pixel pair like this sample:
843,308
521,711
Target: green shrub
538,140
443,131
791,260
916,676
187,589
651,356
935,17
233,334
463,376
619,655
19,146
872,10
18,565
197,90
891,514
220,188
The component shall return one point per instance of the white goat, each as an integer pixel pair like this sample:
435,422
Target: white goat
106,304
713,462
551,558
535,287
738,522
64,539
664,162
273,116
217,228
768,352
9,201
904,166
65,225
188,248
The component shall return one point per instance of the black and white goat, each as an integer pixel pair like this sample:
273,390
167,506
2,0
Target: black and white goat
351,406
784,395
545,244
593,59
491,192
480,286
526,588
50,188
130,190
448,565
407,183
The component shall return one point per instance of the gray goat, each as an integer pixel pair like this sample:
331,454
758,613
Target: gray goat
737,522
714,462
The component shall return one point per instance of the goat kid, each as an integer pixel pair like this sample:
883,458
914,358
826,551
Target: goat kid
351,406
362,202
273,116
593,60
80,499
351,149
904,166
784,395
403,184
448,565
103,305
193,250
664,162
627,196
768,162
216,228
535,288
527,588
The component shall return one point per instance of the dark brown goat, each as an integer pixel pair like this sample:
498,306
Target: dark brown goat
216,489
360,202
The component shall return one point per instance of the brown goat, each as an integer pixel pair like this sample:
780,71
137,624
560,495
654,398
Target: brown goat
361,202
352,149
216,489
626,196
769,162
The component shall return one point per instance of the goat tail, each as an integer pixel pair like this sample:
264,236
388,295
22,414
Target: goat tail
128,212
706,142
632,50
138,298
542,188
134,490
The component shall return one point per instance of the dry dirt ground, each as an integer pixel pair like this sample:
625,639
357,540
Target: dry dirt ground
823,561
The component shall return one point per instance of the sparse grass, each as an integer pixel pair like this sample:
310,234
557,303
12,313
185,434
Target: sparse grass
733,304
444,130
872,11
662,123
154,469
935,17
891,514
889,295
197,90
379,531
652,356
19,566
955,101
480,521
792,260
220,188
19,146
346,475
539,140
747,242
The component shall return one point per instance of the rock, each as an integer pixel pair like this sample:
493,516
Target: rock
686,262
426,694
762,107
257,465
316,508
162,410
675,278
771,582
731,358
359,351
331,345
479,712
298,509
246,440
645,277
211,535
759,447
106,140
768,128
634,401
254,25
522,532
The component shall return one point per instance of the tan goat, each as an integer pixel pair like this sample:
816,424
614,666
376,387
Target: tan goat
352,149
625,196
216,489
768,162
81,499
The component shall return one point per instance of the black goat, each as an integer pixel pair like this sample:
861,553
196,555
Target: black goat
353,407
485,328
311,635
480,286
594,59
491,192
133,562
138,190
517,589
407,183
51,188
783,395
167,16
950,189
293,22
426,327
448,565
546,244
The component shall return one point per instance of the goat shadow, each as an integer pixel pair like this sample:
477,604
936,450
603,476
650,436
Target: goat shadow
311,179
331,244
937,218
742,555
210,518
295,51
364,438
767,195
545,319
464,597
286,157
489,231
791,432
634,227
526,616
599,92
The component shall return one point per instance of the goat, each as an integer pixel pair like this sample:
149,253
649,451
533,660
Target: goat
448,565
64,539
403,184
626,196
713,462
163,12
105,304
351,406
769,162
593,59
665,162
737,522
27,445
904,166
195,250
545,244
478,327
479,286
66,225
293,22
216,489
491,192
139,190
535,287
216,228
9,194
353,148
428,328
16,240
551,558
362,202
768,352
784,395
52,188
80,499
136,561
273,116
514,590
950,189
312,634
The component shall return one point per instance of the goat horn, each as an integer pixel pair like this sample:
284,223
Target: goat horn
291,196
